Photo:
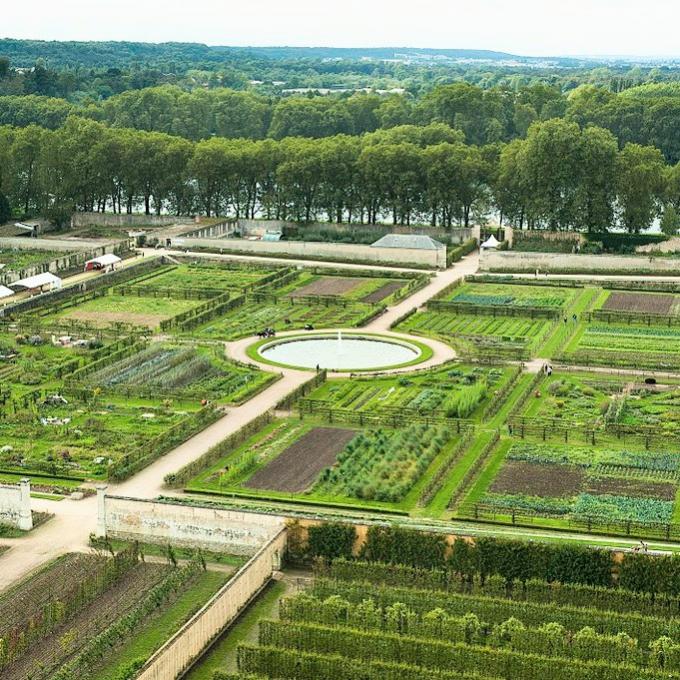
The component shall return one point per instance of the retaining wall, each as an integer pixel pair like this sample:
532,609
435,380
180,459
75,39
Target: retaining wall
316,250
86,219
183,648
239,533
250,227
15,505
565,263
219,230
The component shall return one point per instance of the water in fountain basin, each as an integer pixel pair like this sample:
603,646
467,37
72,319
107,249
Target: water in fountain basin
338,353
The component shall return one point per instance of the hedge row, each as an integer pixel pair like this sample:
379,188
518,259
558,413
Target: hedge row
196,315
494,610
287,664
439,655
532,590
303,390
513,560
548,639
458,253
212,455
432,487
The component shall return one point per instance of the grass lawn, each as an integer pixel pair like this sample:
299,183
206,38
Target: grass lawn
160,628
138,311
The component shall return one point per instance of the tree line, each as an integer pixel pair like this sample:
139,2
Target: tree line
648,115
561,176
93,71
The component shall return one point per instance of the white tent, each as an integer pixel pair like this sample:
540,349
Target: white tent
5,292
39,281
491,242
103,261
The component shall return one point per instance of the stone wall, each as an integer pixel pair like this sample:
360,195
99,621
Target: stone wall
249,227
84,219
340,252
219,230
181,650
48,244
565,263
15,505
240,533
77,254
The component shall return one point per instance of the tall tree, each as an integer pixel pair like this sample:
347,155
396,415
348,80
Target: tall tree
640,186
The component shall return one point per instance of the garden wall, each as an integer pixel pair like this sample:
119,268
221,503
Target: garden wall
72,260
342,252
566,263
85,219
240,533
219,230
183,648
15,505
249,227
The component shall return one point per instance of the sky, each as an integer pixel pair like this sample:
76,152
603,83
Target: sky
525,27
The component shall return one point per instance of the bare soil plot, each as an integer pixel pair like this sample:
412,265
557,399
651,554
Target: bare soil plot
645,303
620,486
532,479
107,318
329,285
384,291
296,468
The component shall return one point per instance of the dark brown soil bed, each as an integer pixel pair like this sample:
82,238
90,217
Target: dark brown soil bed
296,468
532,479
623,486
383,292
639,303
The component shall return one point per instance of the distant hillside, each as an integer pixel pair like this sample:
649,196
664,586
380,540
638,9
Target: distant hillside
370,53
25,53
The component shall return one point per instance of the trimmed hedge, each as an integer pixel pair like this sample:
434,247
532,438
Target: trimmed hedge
404,546
458,253
494,610
294,665
331,541
513,560
439,655
533,590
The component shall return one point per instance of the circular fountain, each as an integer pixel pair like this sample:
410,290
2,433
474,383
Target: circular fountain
341,352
